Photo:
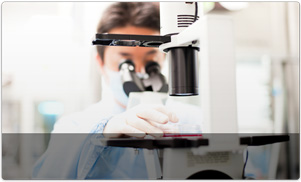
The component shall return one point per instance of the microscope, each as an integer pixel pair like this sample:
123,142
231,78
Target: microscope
186,35
146,90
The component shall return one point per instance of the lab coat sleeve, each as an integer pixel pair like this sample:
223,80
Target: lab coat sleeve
61,159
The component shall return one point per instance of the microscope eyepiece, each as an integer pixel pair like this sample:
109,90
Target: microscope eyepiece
130,65
131,82
152,67
156,81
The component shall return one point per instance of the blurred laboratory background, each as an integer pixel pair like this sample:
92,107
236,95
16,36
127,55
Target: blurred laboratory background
49,67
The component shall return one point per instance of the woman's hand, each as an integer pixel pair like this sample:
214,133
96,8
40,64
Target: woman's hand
139,121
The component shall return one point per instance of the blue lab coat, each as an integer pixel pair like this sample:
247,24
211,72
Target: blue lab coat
72,152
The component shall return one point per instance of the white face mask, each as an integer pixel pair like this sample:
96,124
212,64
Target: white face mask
115,84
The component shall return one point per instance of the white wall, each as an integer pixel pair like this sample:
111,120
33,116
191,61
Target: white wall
47,51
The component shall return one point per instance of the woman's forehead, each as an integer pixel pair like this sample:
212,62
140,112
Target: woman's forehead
134,30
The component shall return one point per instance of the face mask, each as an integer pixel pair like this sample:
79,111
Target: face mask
115,85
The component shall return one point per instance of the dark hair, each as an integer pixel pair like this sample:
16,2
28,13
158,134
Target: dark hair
121,14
